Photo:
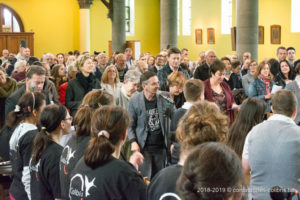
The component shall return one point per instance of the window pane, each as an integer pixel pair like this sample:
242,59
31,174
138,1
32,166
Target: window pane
186,17
16,27
7,17
129,12
295,16
226,16
178,12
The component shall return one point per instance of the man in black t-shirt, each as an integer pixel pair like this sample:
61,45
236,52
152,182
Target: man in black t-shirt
150,112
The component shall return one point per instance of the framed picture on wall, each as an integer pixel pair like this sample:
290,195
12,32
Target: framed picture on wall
275,34
198,36
233,38
261,35
210,36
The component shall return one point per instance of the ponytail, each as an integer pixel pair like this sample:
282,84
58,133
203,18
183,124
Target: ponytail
50,120
91,101
26,104
102,143
41,142
99,150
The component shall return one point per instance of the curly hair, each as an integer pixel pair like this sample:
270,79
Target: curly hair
209,170
203,122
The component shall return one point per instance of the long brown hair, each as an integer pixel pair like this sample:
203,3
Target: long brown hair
91,101
112,121
260,67
251,113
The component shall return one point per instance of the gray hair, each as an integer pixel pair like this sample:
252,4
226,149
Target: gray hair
133,76
20,64
208,51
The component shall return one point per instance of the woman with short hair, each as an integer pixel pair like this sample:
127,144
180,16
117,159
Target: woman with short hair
110,81
176,81
216,90
84,82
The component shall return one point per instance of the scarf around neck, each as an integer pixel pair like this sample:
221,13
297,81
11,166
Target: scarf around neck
88,83
267,82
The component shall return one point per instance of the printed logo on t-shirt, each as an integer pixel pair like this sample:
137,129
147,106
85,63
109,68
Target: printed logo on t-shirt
80,186
66,155
34,168
153,120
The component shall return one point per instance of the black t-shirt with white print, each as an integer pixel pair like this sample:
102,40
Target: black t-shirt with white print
164,182
71,154
155,140
45,184
21,143
115,179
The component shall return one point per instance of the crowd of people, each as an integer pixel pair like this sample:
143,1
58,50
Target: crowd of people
82,126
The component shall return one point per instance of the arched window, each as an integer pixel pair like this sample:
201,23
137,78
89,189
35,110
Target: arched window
10,19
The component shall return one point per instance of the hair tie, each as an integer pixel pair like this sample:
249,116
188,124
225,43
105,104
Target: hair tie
85,105
17,108
104,133
44,128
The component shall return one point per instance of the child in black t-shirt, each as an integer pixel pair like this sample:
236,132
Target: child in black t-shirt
77,144
24,118
44,164
100,174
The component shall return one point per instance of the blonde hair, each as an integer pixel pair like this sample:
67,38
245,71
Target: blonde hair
104,78
176,79
80,61
204,122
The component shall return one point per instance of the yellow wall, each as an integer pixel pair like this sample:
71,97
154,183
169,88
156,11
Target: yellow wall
56,25
277,12
147,26
54,22
207,14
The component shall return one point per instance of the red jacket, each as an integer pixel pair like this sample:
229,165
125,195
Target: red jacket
208,93
62,92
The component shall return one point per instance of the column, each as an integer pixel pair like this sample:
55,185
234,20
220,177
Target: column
247,27
118,26
84,25
168,23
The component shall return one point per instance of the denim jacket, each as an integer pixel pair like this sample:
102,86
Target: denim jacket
257,89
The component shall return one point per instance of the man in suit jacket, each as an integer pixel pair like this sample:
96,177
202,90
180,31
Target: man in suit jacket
173,65
150,112
281,55
202,71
